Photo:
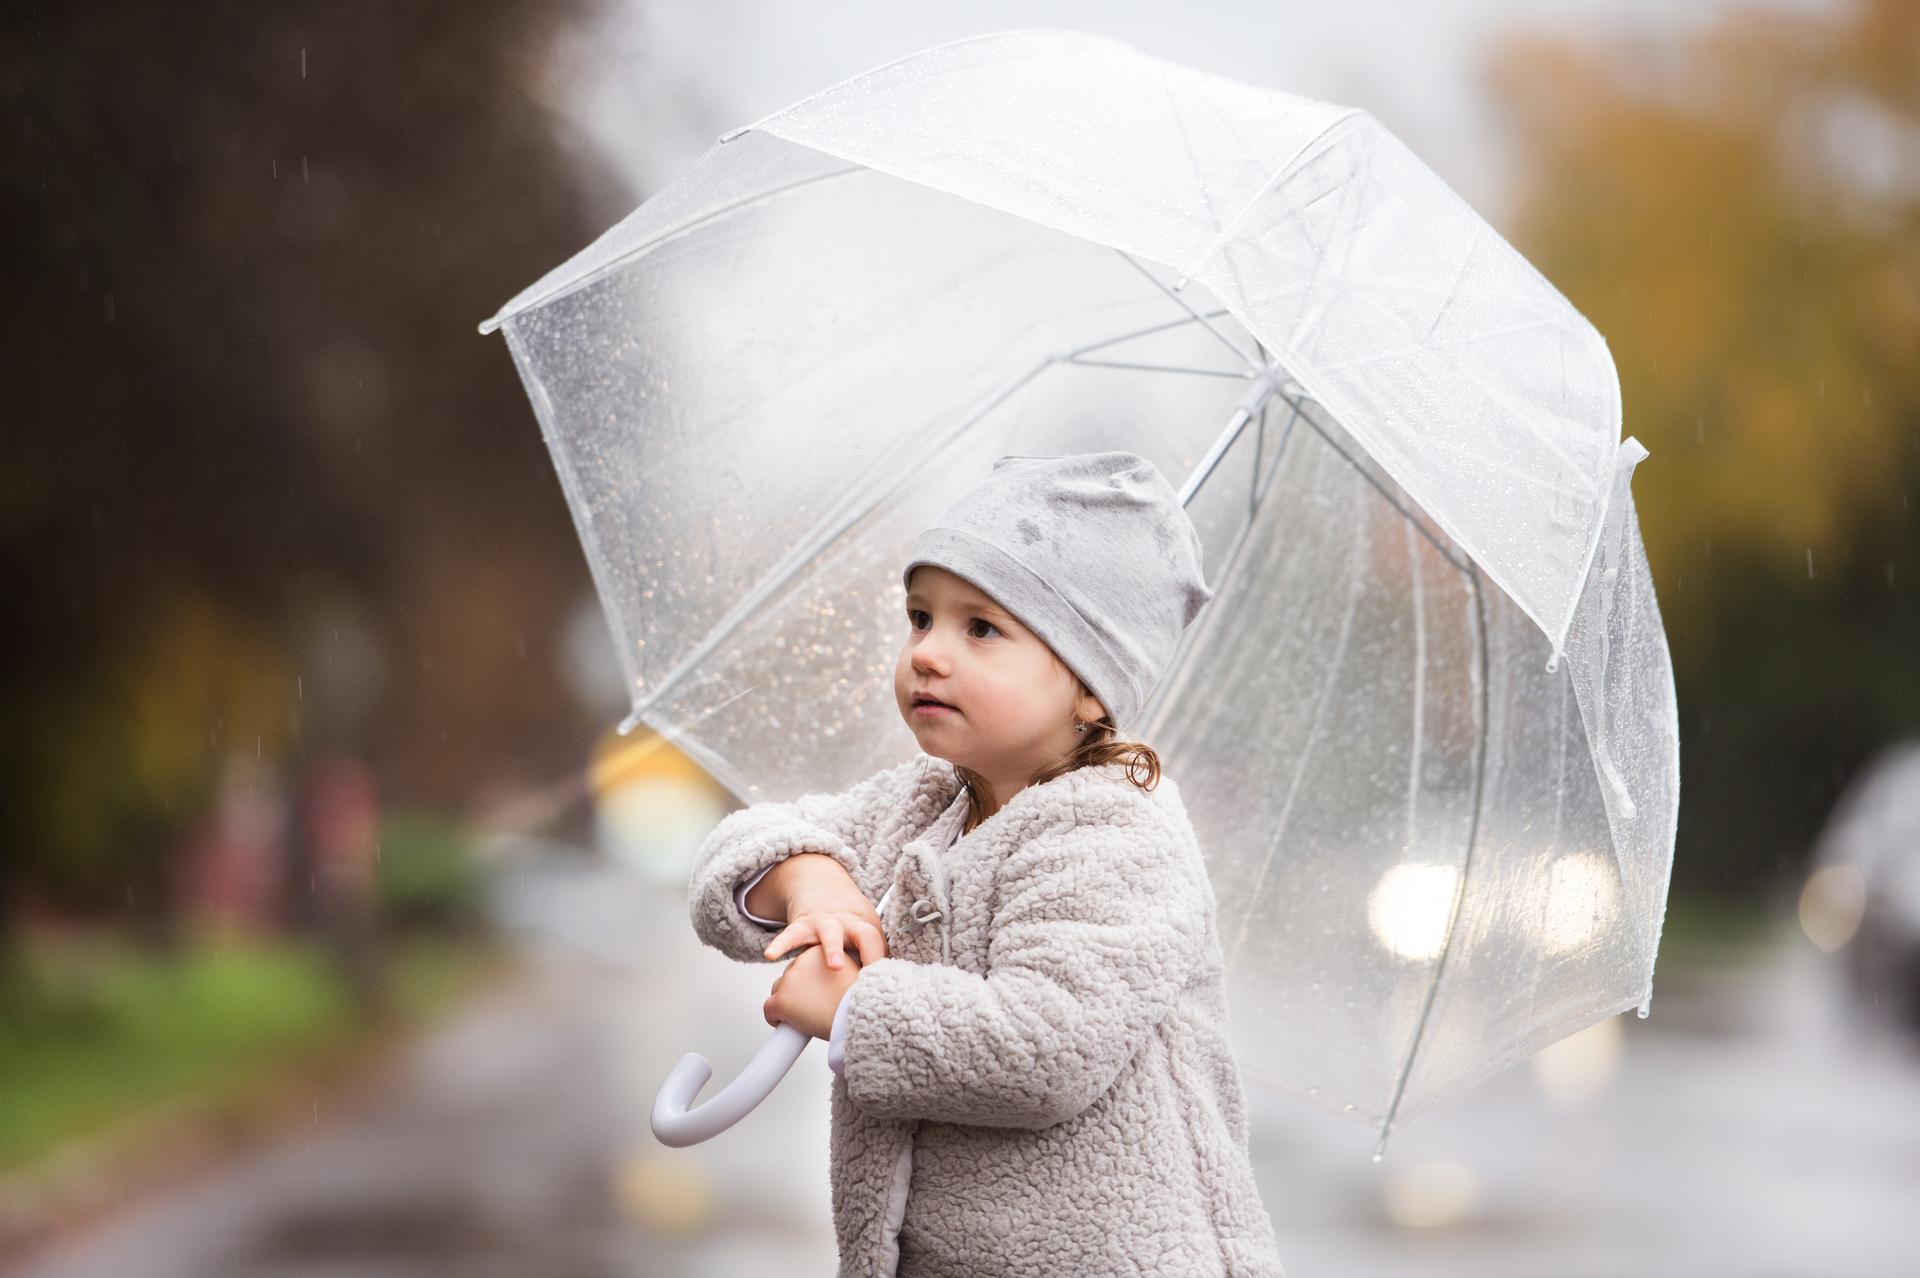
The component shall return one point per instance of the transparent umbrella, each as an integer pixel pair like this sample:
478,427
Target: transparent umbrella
1425,728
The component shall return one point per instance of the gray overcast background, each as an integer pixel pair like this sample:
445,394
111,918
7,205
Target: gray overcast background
653,83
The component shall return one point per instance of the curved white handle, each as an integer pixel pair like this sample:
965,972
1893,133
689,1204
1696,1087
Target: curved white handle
674,1123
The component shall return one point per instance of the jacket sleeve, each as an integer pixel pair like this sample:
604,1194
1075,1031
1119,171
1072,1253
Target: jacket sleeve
1099,929
750,840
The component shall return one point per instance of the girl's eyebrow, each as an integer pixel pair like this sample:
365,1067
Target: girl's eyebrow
980,606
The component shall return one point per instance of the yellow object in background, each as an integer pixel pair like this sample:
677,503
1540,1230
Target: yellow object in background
652,804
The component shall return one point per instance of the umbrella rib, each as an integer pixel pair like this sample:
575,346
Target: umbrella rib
1419,681
1164,692
1305,754
1260,494
1206,468
1155,368
1273,179
1560,761
1466,869
1257,489
1254,487
1453,289
1297,406
1452,555
1229,343
632,721
1206,192
1148,331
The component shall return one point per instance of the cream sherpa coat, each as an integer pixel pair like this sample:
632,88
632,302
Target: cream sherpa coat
1037,1078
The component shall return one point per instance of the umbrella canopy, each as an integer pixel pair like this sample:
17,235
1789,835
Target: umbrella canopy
1426,727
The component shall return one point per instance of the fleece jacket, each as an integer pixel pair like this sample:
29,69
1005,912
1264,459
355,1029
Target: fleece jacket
1037,1078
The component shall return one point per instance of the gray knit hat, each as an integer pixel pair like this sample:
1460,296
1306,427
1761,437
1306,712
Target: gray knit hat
1093,552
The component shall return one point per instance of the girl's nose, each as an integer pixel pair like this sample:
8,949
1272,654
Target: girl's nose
929,657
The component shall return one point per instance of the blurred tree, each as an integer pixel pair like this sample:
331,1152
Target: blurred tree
252,432
1738,211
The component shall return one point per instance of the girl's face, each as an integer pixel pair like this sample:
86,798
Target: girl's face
1014,702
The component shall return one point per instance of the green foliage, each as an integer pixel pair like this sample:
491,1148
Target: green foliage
427,872
97,1030
1707,931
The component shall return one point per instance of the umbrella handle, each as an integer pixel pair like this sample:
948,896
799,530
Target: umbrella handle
676,1124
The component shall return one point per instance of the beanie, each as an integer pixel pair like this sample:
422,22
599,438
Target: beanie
1093,552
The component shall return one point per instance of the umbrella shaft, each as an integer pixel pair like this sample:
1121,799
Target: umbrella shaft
1265,385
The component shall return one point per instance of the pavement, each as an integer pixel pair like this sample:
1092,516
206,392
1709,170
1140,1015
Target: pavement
1748,1128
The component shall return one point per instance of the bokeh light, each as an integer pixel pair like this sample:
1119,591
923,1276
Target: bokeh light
1428,1195
1578,1068
1410,908
1832,903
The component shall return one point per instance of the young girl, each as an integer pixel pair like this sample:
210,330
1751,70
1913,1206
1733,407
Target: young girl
1029,1032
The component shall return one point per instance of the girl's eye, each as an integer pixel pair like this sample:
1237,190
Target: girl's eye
914,615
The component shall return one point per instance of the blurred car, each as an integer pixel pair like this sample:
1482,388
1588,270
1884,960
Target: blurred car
1863,897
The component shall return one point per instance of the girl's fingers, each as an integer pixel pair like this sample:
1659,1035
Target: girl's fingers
791,937
869,940
833,939
831,932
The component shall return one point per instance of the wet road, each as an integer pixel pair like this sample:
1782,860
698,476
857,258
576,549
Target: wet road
1741,1130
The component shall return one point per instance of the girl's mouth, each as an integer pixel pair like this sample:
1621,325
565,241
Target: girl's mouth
933,708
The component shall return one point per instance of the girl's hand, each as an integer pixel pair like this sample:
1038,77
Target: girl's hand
828,909
808,993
